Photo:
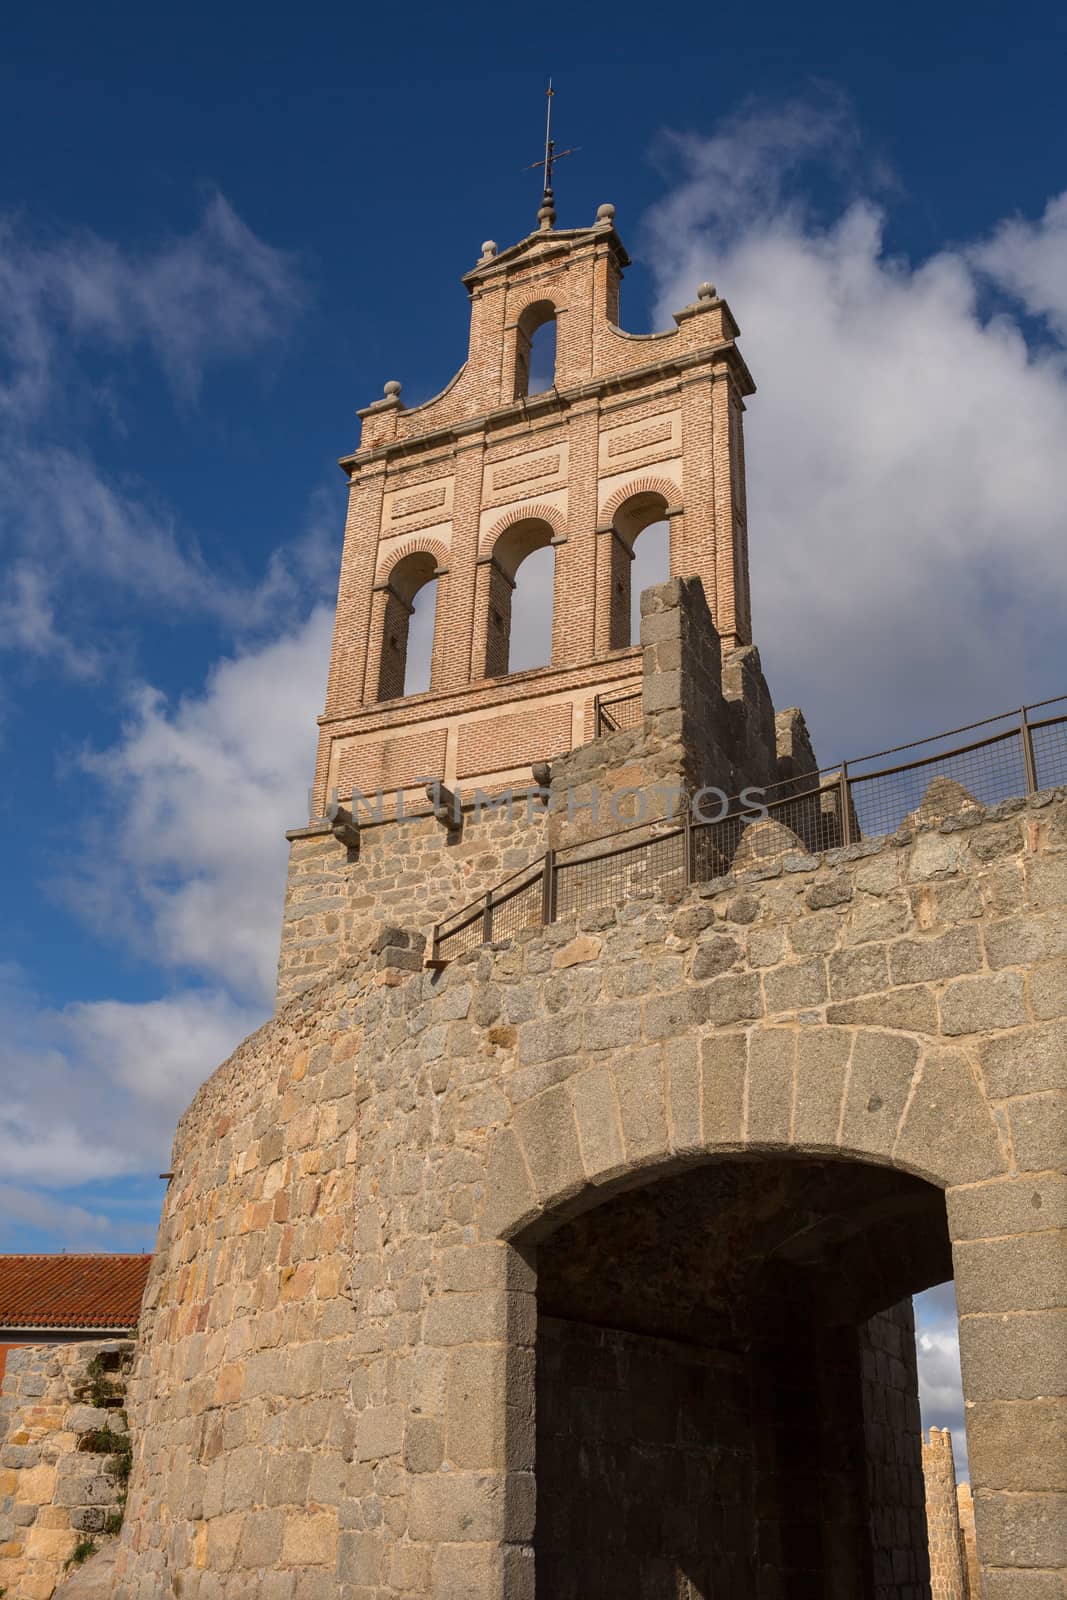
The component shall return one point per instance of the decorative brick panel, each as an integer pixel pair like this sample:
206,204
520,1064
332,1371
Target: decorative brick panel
523,470
639,438
628,439
413,501
409,505
500,743
391,763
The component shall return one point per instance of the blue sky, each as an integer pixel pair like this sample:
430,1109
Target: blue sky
221,230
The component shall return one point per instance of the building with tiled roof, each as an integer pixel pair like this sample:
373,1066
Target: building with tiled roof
54,1299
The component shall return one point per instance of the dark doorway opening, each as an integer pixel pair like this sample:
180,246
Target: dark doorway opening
727,1400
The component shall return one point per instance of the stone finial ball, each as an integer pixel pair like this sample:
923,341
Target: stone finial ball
392,389
605,213
706,291
488,248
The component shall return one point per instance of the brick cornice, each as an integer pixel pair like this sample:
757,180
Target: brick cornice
535,684
724,355
546,246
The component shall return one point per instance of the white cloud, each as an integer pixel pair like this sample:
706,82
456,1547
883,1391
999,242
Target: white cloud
75,540
937,1349
199,795
905,450
190,853
193,300
80,548
190,866
19,1205
28,620
93,1091
1028,260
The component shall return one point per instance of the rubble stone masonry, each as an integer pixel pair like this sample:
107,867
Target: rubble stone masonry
63,1458
706,720
334,1393
948,1579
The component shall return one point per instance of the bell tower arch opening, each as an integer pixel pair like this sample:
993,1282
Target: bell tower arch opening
536,337
408,626
640,557
726,1386
521,598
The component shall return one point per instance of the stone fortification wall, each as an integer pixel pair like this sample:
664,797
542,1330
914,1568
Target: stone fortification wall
656,1461
948,1580
968,1542
415,871
64,1458
893,1436
334,1390
633,1412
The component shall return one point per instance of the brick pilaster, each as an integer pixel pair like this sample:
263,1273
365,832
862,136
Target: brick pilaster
457,625
574,624
348,660
693,537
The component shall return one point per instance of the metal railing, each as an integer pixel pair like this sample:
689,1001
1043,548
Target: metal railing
803,816
617,713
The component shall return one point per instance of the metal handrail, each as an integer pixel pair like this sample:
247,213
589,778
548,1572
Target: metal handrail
603,721
943,755
828,780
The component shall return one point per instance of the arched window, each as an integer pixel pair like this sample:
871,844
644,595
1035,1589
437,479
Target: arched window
535,349
521,584
640,558
651,565
418,667
407,632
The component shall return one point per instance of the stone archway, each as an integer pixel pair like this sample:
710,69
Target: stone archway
869,1097
350,1242
726,1386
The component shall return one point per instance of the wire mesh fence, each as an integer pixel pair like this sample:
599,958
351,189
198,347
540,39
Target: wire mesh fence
518,908
455,938
1049,739
621,873
804,816
617,713
940,785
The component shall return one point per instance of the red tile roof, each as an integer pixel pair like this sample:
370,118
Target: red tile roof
72,1291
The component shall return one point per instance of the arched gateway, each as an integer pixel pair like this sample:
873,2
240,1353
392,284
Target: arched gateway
577,1262
595,1246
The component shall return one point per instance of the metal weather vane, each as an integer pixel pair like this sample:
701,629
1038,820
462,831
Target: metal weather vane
547,213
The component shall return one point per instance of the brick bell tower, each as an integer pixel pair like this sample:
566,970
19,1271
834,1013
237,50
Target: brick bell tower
636,428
